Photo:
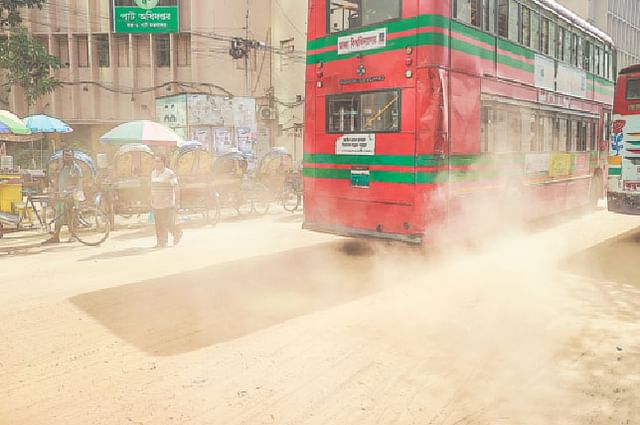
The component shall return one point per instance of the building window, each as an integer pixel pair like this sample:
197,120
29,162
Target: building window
121,42
61,49
514,20
503,18
82,44
141,43
102,50
372,112
162,50
346,15
184,49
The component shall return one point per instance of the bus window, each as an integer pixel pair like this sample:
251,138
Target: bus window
582,136
535,31
349,14
573,136
552,38
546,134
372,112
514,19
563,135
633,89
591,136
567,46
489,16
525,34
544,31
468,11
606,126
503,18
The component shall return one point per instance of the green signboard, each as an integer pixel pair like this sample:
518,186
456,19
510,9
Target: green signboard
146,17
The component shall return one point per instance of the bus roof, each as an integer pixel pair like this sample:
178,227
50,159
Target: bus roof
631,69
574,19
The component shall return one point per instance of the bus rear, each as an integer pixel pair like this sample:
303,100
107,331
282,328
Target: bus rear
624,151
364,165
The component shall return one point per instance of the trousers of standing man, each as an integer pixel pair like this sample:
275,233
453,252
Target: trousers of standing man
163,202
166,223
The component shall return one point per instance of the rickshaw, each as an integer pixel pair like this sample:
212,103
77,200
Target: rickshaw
193,166
275,175
131,180
230,182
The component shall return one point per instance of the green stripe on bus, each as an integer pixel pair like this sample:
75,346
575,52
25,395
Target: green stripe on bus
380,176
394,160
515,49
428,20
615,171
470,32
327,173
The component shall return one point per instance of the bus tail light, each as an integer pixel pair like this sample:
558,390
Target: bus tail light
409,61
409,74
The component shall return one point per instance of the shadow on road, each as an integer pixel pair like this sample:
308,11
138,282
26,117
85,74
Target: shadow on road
615,260
129,252
196,309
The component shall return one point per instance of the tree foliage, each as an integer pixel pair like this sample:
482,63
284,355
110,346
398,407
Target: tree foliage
25,60
10,10
28,64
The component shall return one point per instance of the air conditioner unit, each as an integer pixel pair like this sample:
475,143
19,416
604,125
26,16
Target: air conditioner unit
267,113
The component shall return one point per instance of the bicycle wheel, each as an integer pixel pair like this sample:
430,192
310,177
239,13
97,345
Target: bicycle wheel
212,210
261,199
242,203
91,226
290,199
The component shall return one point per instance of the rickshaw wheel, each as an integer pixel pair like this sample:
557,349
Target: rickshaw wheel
290,199
261,199
243,204
212,212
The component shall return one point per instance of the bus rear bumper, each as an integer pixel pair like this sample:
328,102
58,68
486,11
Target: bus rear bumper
354,232
623,203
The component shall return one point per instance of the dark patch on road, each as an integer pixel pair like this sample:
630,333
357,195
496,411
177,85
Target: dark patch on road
188,311
615,260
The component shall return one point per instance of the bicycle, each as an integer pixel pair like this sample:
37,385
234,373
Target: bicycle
87,222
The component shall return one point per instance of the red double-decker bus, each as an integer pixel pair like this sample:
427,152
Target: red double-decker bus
417,110
623,193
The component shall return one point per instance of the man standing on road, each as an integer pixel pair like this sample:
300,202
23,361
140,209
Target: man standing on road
165,196
68,182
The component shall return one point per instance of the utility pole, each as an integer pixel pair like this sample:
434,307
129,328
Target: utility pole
246,56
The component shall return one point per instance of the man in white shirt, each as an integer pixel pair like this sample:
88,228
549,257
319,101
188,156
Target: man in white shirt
165,196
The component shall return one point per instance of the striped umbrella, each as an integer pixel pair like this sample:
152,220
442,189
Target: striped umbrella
146,132
11,124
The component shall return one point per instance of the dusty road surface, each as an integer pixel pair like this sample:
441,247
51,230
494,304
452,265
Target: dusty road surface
258,322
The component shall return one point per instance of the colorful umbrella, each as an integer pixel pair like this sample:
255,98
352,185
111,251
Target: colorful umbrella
10,123
146,132
46,124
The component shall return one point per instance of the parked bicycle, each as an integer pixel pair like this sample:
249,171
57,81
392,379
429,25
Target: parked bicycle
87,222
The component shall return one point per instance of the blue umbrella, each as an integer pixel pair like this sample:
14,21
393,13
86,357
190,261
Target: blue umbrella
46,124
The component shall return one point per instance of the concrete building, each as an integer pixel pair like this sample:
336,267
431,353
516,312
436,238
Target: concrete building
619,18
111,76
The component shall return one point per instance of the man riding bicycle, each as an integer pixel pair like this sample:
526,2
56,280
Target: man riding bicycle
68,181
